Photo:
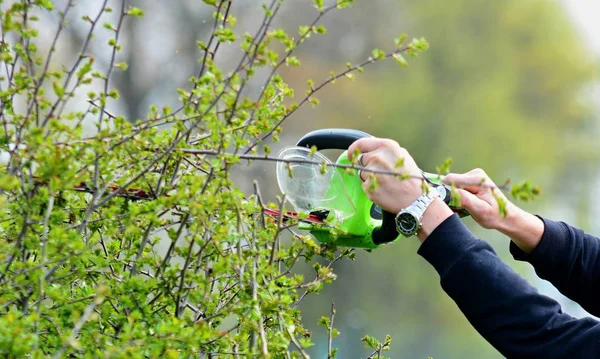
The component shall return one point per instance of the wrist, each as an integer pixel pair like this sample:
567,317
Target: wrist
434,215
523,228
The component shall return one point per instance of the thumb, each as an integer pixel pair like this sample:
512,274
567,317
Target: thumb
464,181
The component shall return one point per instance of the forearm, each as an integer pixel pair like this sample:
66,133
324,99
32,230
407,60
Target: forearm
523,228
503,307
569,259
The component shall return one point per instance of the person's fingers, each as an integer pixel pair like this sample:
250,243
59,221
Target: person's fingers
360,175
359,160
471,202
364,145
363,161
473,181
369,161
366,186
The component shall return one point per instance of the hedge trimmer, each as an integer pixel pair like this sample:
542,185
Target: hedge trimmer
329,200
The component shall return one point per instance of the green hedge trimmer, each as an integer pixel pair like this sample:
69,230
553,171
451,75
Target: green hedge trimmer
329,200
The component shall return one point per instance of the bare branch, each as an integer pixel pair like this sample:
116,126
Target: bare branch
319,87
330,331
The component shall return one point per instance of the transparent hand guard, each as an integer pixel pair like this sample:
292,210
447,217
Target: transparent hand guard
310,184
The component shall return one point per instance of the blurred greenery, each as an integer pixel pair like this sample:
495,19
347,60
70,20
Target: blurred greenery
503,88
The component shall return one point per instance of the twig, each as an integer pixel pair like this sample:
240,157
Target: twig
296,343
279,229
76,64
283,60
261,327
40,82
45,231
319,87
336,165
330,331
207,49
84,318
112,61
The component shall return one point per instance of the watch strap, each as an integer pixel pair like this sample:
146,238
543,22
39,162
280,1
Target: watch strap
420,204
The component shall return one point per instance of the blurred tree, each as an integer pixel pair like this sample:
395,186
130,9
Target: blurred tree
500,88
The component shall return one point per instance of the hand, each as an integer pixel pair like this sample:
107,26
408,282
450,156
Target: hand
479,195
391,193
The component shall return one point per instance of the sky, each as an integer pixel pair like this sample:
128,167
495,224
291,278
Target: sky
585,14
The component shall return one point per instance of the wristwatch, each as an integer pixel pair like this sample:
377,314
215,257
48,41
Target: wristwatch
409,220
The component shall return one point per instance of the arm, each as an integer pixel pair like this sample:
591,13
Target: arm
559,253
501,306
569,259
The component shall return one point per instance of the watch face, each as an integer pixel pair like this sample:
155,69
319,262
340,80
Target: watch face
407,223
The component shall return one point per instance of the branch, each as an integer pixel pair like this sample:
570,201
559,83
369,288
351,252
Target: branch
319,87
84,318
276,67
77,62
207,49
111,62
295,341
261,327
267,158
330,331
40,82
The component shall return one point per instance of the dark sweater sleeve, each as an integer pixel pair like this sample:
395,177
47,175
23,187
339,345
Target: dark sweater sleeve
509,313
570,260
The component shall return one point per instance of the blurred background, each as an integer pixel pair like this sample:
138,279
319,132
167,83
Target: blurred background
510,86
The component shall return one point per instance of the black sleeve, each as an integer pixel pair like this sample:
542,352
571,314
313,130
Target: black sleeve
509,313
570,260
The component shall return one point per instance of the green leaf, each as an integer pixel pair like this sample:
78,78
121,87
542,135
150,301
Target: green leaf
58,90
370,342
85,69
319,4
135,11
324,321
445,167
400,40
344,3
399,163
400,60
525,191
320,29
292,61
304,30
121,65
378,54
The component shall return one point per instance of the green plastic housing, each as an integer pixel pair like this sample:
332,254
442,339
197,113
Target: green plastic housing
355,231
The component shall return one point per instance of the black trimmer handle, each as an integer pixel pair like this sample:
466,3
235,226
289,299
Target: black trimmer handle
341,139
331,138
387,232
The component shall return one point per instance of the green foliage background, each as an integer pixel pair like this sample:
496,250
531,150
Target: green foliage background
504,86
